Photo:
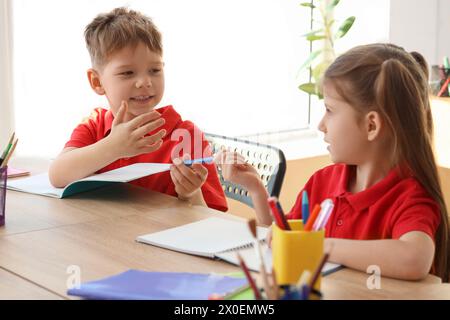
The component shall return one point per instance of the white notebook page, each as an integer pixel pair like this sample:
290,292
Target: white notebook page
205,237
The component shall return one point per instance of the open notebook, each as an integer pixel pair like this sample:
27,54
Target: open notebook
217,238
40,184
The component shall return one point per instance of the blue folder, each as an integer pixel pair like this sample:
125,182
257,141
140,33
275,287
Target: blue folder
142,285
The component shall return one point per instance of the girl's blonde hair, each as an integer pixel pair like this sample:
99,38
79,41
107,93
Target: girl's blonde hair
387,79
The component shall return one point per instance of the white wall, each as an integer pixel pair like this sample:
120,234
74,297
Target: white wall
371,24
423,26
443,31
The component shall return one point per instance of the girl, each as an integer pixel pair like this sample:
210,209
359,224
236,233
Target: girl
389,208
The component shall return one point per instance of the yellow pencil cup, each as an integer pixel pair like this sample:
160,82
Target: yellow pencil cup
295,251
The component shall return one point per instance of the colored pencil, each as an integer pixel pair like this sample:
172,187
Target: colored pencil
250,280
8,156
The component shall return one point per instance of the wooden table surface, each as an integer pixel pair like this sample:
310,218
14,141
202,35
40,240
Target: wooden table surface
45,238
13,287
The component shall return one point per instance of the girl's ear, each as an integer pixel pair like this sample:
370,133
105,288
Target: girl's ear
373,125
94,81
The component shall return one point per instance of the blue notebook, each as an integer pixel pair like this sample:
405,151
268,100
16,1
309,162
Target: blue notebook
142,285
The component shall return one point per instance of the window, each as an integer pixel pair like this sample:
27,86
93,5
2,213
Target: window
231,66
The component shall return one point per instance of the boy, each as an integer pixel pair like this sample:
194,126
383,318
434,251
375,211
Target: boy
127,67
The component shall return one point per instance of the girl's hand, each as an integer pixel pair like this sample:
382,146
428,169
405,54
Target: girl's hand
188,180
235,169
127,139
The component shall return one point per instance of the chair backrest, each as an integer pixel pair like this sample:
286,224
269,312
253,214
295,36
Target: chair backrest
267,160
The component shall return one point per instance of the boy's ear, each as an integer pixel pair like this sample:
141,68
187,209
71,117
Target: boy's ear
373,125
94,81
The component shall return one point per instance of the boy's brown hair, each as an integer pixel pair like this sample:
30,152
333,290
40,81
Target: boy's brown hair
112,31
386,78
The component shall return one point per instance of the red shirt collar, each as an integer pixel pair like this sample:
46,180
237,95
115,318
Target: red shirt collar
364,199
168,113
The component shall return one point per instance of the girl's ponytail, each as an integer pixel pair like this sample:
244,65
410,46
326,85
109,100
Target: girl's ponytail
424,66
402,97
421,61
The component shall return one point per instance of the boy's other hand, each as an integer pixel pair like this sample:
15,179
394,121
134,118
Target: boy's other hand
187,180
237,170
128,138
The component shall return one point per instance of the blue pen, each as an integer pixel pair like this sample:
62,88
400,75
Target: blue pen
446,64
305,207
200,160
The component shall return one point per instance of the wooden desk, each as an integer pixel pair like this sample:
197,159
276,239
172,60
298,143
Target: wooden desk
96,232
101,241
13,287
27,212
348,284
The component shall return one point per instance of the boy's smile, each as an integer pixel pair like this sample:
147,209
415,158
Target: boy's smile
142,100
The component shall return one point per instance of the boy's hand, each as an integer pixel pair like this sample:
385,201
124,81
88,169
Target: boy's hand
128,138
235,169
188,180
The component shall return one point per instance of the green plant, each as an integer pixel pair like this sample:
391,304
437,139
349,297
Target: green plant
324,34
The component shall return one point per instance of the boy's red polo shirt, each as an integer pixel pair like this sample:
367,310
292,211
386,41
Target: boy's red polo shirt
387,210
98,126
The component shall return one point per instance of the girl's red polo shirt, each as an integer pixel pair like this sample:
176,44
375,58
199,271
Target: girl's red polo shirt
98,126
387,210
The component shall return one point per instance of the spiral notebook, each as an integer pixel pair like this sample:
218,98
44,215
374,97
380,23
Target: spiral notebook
208,237
217,238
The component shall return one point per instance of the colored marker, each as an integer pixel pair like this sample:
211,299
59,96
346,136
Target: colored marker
444,87
282,215
200,160
327,208
305,207
312,219
274,212
446,63
277,214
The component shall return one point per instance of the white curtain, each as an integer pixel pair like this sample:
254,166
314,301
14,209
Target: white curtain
6,103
